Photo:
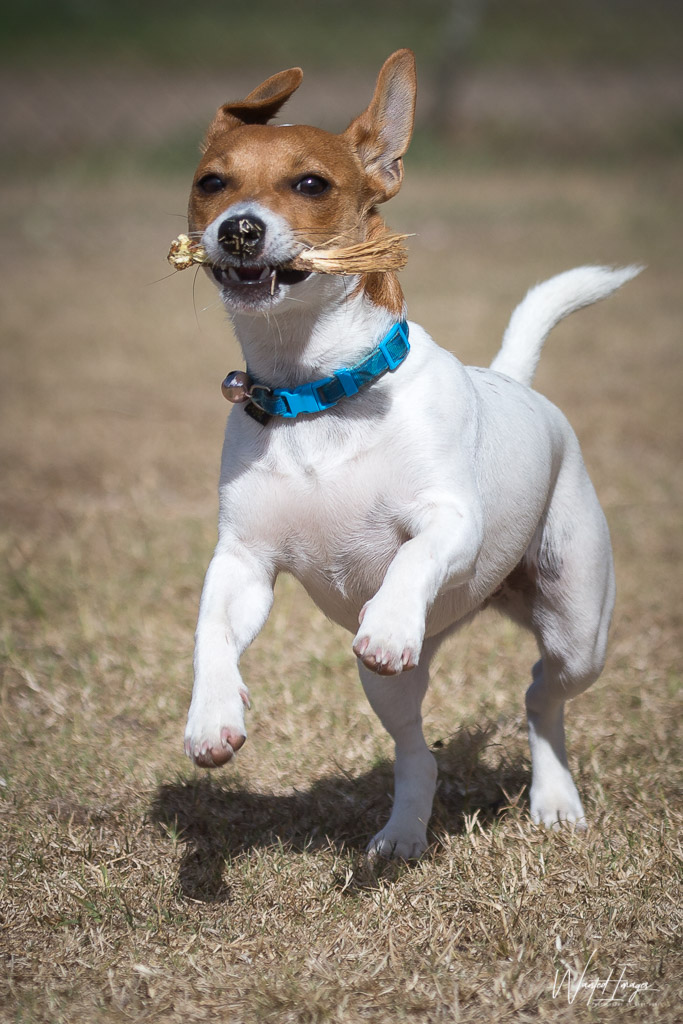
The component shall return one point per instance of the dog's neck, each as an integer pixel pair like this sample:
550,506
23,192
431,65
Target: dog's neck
334,325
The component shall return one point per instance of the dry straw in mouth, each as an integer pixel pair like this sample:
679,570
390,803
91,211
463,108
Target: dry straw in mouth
376,256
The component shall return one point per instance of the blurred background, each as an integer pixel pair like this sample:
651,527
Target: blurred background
119,82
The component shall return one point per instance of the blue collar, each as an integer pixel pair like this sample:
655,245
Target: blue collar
322,394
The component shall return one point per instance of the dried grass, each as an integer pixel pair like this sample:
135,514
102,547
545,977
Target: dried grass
380,254
134,887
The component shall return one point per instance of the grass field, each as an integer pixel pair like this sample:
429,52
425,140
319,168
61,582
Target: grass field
134,887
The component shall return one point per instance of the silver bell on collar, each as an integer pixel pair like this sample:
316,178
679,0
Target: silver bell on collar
236,387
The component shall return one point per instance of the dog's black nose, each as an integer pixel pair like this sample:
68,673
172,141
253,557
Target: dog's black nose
242,236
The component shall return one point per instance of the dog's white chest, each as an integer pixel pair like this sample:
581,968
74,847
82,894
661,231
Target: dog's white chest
329,518
337,531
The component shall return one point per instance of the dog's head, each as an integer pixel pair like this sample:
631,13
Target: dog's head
262,192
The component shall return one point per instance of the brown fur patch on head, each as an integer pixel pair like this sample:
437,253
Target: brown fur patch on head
264,162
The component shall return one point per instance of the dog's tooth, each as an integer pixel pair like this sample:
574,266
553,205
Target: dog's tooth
232,274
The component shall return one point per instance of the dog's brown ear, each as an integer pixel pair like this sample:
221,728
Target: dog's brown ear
381,134
264,102
259,106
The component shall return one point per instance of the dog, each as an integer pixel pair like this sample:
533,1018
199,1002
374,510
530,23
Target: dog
404,490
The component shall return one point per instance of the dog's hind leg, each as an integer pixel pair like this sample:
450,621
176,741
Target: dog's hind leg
397,701
569,607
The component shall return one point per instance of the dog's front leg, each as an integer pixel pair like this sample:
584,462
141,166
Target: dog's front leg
441,554
236,599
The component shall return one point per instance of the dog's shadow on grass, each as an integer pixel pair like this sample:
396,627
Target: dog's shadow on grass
216,819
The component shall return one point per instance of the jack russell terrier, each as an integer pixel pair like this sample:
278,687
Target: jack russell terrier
404,490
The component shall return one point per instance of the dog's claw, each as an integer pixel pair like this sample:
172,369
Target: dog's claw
361,646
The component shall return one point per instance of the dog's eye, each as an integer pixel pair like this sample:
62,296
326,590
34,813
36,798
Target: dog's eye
211,183
311,185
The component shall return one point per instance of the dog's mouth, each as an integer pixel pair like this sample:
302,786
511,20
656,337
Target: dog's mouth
265,278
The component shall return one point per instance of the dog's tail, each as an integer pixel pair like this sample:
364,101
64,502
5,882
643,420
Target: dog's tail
547,304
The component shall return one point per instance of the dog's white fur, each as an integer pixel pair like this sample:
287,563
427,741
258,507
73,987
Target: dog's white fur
436,491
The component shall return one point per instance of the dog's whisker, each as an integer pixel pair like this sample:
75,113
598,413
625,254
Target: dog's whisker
194,296
165,277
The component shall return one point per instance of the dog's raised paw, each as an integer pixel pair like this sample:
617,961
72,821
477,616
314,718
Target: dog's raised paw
385,651
209,742
382,659
212,753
